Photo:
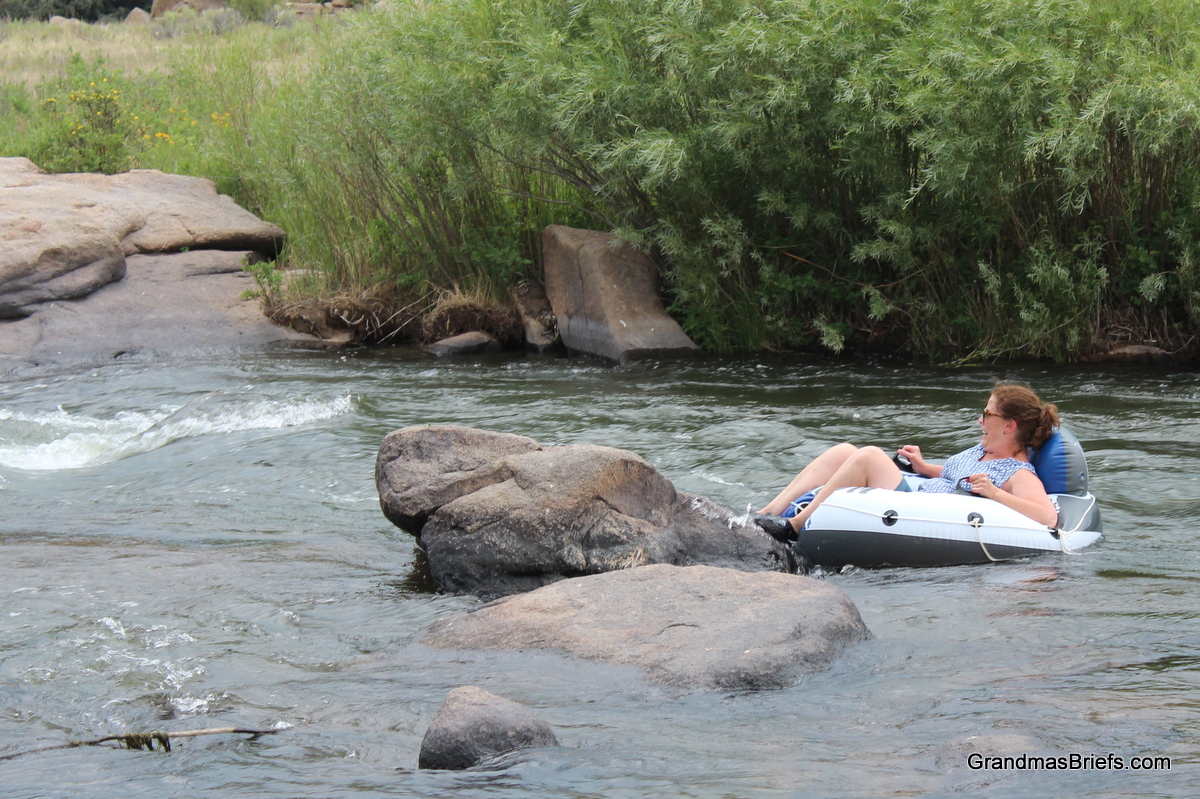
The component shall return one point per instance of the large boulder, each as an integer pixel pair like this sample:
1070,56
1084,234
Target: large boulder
499,514
64,263
473,726
64,236
605,297
694,627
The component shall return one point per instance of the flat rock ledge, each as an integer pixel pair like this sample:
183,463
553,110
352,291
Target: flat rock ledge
687,627
499,514
64,236
473,726
171,304
99,265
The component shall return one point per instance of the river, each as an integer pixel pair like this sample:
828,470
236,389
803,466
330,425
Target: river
190,543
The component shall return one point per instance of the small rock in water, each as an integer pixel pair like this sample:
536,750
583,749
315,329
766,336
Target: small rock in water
464,344
473,726
967,753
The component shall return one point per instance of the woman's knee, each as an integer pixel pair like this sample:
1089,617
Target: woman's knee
844,450
872,454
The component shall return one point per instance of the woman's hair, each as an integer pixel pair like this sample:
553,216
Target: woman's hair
1035,420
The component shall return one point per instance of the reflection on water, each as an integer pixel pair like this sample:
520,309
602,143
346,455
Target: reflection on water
199,544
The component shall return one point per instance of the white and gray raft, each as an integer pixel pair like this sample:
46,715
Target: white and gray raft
875,527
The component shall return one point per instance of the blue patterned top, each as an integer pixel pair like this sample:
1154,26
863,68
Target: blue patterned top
967,463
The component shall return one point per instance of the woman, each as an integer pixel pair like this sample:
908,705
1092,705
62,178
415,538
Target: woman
997,467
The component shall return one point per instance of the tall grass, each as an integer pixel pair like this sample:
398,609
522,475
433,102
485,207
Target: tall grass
954,178
969,179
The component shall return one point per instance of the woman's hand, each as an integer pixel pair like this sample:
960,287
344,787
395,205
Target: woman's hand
1023,493
913,453
982,485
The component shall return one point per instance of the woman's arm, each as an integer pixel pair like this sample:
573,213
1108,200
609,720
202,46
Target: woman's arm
1023,493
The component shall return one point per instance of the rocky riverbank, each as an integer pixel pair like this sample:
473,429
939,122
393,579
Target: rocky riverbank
97,266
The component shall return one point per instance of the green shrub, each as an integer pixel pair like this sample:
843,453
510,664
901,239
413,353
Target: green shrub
255,10
269,281
85,122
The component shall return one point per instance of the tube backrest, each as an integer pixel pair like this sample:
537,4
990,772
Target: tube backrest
1061,465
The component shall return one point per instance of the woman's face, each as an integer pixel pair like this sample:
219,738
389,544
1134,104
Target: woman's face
993,424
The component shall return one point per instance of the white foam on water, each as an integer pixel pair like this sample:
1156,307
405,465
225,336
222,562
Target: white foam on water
113,625
60,439
193,705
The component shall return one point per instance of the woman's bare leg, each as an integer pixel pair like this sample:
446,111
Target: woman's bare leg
869,467
816,473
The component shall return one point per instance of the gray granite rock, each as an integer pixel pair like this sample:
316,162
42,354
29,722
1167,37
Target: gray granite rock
605,298
693,627
419,469
464,344
170,304
473,726
499,514
537,318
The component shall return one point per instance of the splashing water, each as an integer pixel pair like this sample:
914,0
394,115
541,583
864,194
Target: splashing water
60,439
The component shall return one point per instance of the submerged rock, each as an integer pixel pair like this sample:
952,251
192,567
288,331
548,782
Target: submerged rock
965,753
473,726
498,514
1132,353
695,627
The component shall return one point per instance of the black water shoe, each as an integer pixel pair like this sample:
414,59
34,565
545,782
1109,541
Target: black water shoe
778,528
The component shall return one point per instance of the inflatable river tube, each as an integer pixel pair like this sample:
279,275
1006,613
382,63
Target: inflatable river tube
876,527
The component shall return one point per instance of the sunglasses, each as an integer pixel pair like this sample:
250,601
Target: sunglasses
986,413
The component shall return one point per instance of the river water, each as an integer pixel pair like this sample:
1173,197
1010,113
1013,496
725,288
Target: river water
197,543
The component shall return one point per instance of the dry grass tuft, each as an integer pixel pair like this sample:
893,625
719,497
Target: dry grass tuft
363,319
457,312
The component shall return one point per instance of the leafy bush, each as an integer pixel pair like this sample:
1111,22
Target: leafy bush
95,119
960,177
269,281
86,123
